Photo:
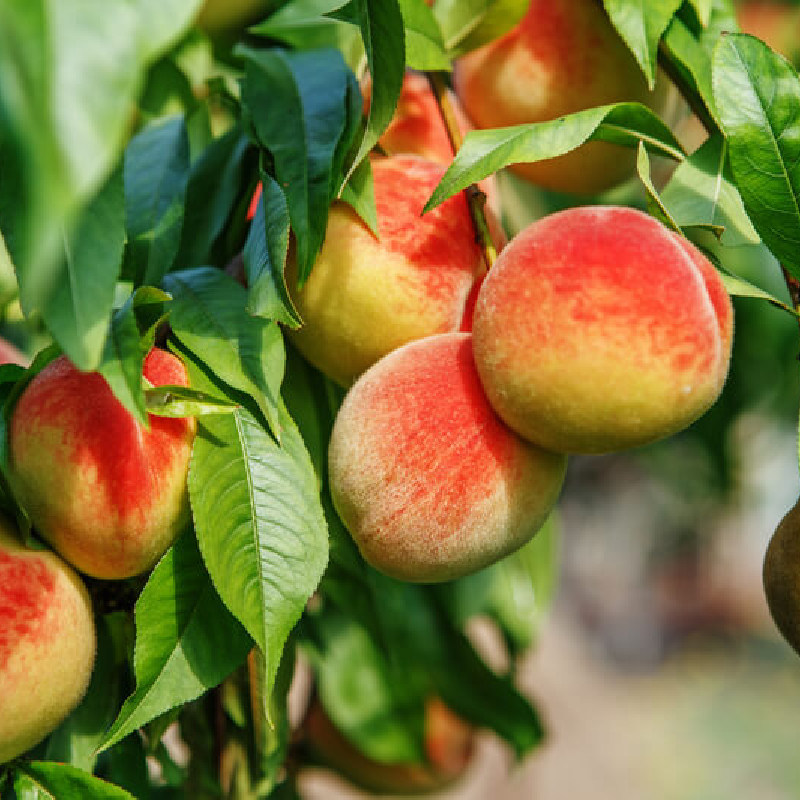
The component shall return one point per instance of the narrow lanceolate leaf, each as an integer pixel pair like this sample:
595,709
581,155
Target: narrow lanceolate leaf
739,287
641,25
264,257
208,316
313,90
180,401
643,170
211,194
48,780
78,311
757,94
130,338
156,172
701,193
703,10
259,523
186,640
382,29
424,45
485,152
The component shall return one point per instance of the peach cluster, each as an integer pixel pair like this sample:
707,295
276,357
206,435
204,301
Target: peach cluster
597,329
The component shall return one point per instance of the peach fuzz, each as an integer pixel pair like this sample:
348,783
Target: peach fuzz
109,495
564,56
598,329
47,643
428,480
367,296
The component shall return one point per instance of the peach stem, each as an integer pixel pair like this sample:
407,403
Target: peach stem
476,199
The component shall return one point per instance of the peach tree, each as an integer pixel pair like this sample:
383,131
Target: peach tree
167,174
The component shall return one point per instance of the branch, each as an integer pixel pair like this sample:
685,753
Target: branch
476,198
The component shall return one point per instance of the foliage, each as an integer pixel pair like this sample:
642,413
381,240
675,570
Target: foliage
131,143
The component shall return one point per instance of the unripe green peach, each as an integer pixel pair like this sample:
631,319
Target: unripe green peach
599,329
367,296
564,56
425,476
47,643
109,495
782,576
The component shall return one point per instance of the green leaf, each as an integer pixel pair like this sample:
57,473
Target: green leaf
691,55
643,170
186,640
641,24
381,24
424,45
156,173
259,522
703,10
310,24
482,697
214,186
738,286
757,94
487,151
469,24
313,90
265,257
78,311
130,338
47,780
357,689
180,401
69,75
77,739
359,194
208,316
702,193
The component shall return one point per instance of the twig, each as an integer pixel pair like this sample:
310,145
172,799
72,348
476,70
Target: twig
476,198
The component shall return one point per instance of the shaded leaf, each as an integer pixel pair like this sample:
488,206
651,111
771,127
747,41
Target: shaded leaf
48,780
424,45
186,640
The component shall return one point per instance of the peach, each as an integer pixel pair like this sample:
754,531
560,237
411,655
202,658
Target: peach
782,576
367,296
109,495
599,329
564,56
428,480
47,643
449,746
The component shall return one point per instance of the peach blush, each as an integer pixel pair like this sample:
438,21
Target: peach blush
109,495
47,643
425,476
599,329
365,296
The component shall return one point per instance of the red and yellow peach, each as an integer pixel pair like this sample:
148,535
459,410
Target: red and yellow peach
599,329
47,643
109,495
425,476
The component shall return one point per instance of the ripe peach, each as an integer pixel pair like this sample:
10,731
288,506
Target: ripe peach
367,296
47,643
599,329
109,495
564,56
427,479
